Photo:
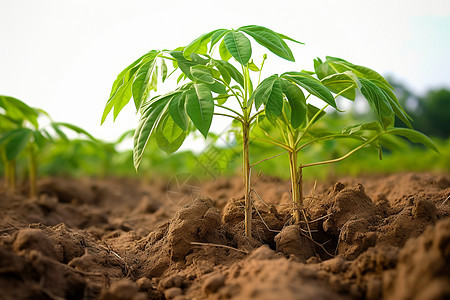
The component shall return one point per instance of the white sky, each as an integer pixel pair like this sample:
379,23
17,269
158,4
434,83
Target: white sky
63,55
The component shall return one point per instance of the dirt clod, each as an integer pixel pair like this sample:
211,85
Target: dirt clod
172,293
213,283
292,241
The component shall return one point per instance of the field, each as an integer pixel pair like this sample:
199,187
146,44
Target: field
370,238
300,196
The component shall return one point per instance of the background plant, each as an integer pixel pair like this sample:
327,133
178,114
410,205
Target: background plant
21,132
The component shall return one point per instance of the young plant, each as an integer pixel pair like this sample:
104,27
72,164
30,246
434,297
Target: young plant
20,132
204,87
297,125
14,116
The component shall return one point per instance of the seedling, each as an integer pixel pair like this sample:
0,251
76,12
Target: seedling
204,85
20,132
294,124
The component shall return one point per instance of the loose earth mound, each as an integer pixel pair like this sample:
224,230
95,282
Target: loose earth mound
122,239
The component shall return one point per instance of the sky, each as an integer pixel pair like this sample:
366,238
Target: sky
63,55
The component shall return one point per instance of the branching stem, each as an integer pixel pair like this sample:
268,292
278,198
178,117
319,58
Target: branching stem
344,156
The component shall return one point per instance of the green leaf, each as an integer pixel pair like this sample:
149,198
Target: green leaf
270,40
234,73
200,107
18,110
217,36
39,139
217,88
202,74
221,99
312,111
223,51
121,95
414,136
396,107
15,141
284,37
59,132
169,136
253,67
163,70
334,65
239,46
141,87
199,45
184,64
151,112
129,71
372,126
274,104
74,128
337,83
127,134
7,123
378,102
181,77
223,72
312,85
263,91
323,69
122,98
297,102
177,109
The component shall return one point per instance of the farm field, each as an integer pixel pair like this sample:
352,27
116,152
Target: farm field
246,175
375,237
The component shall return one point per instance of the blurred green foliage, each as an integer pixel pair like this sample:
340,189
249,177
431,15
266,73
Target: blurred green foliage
87,157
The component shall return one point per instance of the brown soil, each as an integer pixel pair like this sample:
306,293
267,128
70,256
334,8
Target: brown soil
119,239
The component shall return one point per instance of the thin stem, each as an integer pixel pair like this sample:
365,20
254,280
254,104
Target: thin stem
309,124
245,86
345,156
296,199
255,115
343,91
5,167
263,160
12,175
230,116
229,109
273,142
246,169
324,138
33,171
170,74
167,57
232,91
260,69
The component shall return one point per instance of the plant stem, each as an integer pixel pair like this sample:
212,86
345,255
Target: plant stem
309,124
32,171
344,156
12,175
5,169
296,184
246,169
229,109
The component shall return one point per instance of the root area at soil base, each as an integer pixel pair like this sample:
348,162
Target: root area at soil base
122,239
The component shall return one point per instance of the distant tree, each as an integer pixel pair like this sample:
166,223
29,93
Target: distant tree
434,114
431,112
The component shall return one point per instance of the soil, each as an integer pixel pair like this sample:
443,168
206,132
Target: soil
376,237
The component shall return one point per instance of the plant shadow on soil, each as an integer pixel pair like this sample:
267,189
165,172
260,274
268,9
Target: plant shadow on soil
370,238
